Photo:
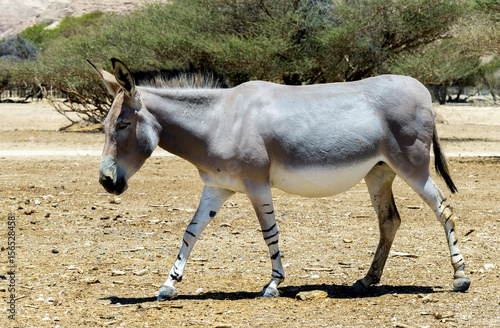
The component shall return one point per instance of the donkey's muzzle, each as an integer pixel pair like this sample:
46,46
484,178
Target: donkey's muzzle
111,186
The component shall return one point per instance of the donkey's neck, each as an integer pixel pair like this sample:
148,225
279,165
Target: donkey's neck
186,117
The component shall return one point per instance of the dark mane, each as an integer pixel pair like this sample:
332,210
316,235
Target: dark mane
191,77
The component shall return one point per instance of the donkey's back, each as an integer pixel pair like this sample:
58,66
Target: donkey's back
321,140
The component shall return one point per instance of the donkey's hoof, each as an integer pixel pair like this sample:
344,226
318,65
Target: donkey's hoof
461,284
167,293
269,292
358,288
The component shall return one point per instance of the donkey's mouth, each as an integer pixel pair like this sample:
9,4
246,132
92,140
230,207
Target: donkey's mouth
115,188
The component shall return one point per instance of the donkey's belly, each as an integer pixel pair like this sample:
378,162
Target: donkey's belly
319,181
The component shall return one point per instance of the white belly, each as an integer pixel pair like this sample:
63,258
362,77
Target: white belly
320,181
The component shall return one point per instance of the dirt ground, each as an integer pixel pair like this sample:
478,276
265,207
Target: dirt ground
71,236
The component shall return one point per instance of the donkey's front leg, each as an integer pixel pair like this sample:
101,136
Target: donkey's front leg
262,201
210,202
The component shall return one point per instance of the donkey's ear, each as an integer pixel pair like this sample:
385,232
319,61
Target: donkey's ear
123,76
109,80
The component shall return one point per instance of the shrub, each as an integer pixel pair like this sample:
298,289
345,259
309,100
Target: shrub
16,49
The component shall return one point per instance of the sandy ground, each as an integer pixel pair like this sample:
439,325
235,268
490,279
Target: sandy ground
71,236
32,130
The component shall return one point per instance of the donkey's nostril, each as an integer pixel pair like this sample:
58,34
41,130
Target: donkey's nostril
120,186
106,182
115,188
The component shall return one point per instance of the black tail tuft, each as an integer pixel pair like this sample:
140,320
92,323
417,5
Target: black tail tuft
440,163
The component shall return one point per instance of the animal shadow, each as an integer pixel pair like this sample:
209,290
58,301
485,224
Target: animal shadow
333,291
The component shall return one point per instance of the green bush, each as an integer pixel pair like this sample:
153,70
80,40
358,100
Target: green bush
284,41
16,48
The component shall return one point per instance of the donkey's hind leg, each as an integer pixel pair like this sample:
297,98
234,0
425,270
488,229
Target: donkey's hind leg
433,196
379,182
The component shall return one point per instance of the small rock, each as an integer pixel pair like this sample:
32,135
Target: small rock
141,272
117,273
402,254
50,300
199,291
401,325
427,299
57,319
74,268
37,202
489,266
93,281
116,200
439,315
55,251
312,295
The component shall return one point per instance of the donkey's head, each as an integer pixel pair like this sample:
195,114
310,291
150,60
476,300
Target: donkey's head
131,131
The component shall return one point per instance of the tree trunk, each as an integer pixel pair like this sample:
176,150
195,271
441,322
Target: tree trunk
491,89
440,93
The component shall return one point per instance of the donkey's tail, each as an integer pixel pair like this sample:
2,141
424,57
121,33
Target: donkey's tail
440,163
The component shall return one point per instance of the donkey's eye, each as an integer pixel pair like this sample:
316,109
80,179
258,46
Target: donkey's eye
122,125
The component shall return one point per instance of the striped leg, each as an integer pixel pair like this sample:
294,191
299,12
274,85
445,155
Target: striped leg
379,182
431,194
210,202
262,201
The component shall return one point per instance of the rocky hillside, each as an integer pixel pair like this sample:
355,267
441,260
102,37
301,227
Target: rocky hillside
16,15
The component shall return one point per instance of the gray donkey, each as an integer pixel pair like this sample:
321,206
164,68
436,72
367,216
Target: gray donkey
315,141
